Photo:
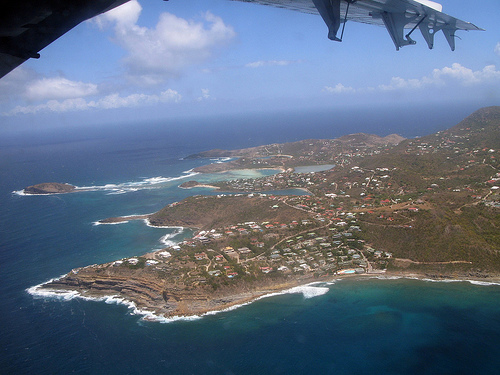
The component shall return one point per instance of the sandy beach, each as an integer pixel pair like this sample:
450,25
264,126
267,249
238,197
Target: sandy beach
199,186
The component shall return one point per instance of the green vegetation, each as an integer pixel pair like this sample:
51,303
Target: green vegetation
429,205
207,212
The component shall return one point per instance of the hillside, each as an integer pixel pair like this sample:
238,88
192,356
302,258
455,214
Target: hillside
426,207
208,212
480,128
294,154
450,178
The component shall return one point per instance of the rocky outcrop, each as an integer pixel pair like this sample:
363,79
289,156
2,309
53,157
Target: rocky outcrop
122,219
189,184
159,295
49,188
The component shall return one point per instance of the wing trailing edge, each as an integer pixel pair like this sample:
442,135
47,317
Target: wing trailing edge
397,16
28,26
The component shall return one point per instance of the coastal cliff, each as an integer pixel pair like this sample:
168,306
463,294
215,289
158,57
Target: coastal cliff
208,212
151,293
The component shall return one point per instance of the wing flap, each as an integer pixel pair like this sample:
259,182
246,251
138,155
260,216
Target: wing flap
395,15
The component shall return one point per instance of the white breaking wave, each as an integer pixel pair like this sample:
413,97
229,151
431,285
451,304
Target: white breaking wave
20,192
381,277
221,160
147,183
483,283
37,291
126,187
24,194
64,295
308,291
473,282
168,239
95,223
148,223
122,191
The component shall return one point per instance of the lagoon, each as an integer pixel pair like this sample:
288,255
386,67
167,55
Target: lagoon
314,168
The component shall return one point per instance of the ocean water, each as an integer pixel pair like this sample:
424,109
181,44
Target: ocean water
350,326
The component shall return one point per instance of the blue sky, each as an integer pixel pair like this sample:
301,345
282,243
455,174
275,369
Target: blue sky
154,60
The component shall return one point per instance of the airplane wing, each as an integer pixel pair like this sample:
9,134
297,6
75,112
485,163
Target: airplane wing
395,15
28,26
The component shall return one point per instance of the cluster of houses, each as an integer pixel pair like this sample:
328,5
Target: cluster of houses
320,152
330,241
324,249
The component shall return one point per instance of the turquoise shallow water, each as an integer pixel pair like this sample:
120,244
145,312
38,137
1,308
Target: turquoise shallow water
314,168
358,326
352,326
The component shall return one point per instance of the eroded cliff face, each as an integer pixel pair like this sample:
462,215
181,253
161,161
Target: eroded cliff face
144,290
160,295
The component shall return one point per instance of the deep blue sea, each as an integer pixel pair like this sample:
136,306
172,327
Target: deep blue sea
350,326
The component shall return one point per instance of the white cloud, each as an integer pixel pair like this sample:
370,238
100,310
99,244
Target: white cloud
456,74
205,95
117,101
338,89
51,106
125,15
152,55
58,88
261,63
467,76
398,83
108,102
497,49
14,83
452,81
170,96
155,54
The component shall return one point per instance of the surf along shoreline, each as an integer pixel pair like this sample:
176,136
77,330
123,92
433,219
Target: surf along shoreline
138,293
154,296
308,287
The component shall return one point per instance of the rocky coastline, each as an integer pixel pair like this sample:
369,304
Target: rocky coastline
165,300
123,219
155,300
426,208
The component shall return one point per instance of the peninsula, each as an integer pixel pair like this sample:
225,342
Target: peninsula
286,156
428,206
194,184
